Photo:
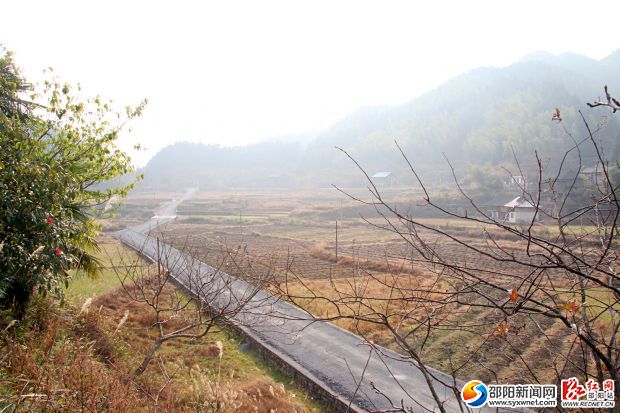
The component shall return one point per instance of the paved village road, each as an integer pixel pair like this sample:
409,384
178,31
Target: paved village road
330,356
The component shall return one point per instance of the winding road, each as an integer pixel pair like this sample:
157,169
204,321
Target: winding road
340,363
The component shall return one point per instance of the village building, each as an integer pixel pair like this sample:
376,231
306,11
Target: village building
517,211
383,178
517,180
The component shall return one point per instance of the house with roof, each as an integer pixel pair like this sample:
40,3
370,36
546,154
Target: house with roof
517,211
383,178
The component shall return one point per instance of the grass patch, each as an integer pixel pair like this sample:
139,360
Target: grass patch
83,286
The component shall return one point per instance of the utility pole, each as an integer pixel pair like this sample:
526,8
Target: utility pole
336,240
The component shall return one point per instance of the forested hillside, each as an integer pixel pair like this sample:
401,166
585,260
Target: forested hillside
476,118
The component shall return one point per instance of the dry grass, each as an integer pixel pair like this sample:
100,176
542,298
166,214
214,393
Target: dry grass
319,251
450,347
463,343
258,395
57,369
70,360
195,365
365,297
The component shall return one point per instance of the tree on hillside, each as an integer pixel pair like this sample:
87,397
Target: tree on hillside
56,149
551,280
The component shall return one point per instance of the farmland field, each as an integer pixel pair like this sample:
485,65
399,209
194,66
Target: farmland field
293,237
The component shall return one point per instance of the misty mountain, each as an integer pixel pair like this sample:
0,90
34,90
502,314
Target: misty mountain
209,166
483,116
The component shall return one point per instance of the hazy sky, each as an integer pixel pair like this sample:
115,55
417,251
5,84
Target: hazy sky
236,72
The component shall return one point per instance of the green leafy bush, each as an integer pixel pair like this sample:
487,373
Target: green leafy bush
57,151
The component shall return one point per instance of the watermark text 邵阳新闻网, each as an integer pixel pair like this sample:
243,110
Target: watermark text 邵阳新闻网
592,394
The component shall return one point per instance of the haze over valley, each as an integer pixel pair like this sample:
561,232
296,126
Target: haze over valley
475,118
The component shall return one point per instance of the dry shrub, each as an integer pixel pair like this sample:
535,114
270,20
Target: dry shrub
108,300
209,395
87,326
209,351
199,353
265,395
64,376
144,318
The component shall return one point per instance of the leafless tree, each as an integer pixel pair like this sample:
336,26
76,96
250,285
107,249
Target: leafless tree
204,297
551,279
609,101
155,396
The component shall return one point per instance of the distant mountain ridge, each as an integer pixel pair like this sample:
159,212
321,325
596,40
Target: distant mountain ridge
478,117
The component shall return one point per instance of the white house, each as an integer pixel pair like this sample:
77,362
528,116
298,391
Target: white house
383,178
519,210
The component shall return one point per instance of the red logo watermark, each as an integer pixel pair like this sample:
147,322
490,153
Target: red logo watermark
592,394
